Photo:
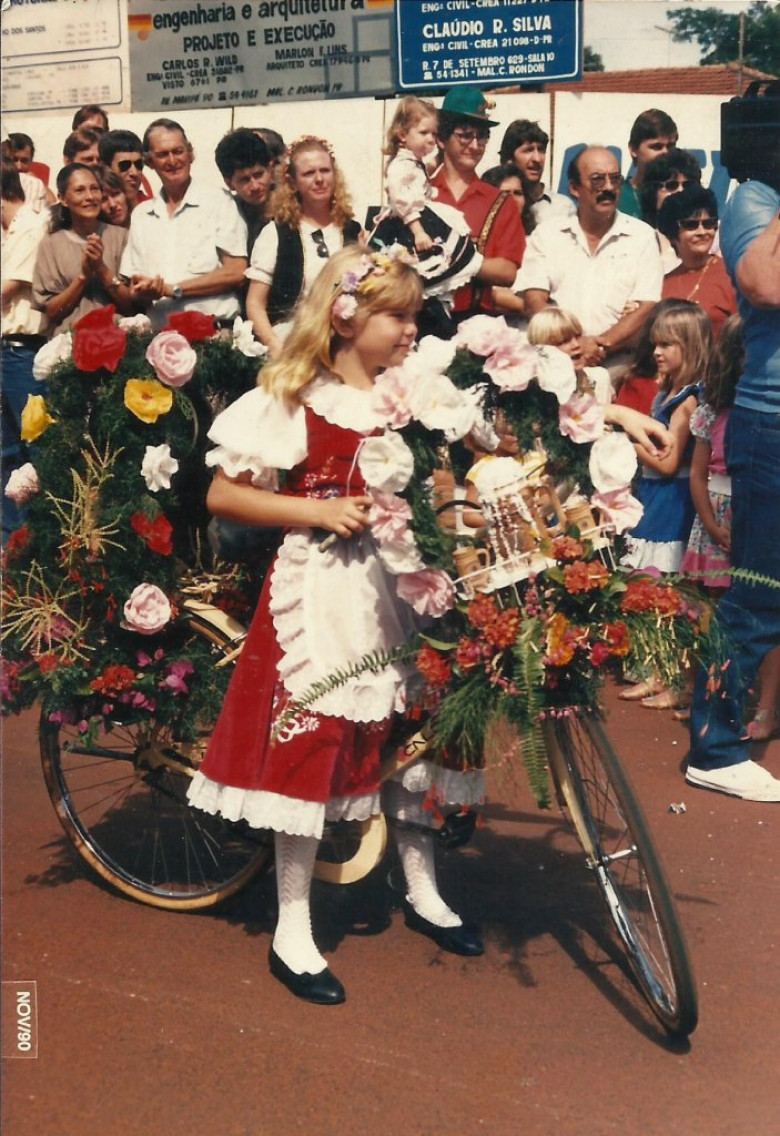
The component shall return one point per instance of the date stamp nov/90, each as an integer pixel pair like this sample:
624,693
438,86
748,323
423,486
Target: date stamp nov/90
20,1019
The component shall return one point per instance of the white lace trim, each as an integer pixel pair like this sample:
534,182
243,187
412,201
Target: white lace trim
450,786
664,555
262,809
294,588
344,406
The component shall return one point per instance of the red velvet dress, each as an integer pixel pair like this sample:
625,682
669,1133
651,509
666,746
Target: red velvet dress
319,612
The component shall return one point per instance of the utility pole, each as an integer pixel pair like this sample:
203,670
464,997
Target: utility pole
741,58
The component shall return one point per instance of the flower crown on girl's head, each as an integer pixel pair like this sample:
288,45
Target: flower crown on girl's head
361,278
311,139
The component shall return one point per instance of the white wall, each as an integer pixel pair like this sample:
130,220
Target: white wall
357,128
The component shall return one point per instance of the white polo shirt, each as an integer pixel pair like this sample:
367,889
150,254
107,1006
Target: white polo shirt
19,249
186,244
593,286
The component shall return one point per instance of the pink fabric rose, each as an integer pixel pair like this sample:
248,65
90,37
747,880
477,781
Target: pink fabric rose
619,509
147,611
581,418
480,333
389,517
22,484
390,398
174,680
429,592
512,361
173,359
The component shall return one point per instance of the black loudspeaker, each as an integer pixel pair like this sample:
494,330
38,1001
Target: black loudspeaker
750,134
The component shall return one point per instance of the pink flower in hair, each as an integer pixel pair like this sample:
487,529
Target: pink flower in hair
345,306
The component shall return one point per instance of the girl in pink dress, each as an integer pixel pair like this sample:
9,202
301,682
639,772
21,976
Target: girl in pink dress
316,419
709,544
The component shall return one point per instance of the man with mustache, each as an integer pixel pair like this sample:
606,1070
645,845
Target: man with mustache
601,265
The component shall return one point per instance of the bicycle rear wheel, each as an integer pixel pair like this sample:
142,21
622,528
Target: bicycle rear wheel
122,800
597,798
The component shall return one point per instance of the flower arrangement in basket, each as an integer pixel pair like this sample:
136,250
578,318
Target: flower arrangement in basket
93,622
535,609
542,618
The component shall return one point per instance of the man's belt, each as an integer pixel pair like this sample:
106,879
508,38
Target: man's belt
31,342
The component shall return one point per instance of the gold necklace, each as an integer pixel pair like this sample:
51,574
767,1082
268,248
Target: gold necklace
702,274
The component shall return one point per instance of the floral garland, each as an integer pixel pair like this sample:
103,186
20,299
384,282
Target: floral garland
93,620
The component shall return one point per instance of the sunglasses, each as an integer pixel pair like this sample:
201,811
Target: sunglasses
319,243
673,184
466,137
126,163
692,224
598,181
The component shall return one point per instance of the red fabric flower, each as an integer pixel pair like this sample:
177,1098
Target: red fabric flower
194,326
156,534
47,663
98,342
481,611
114,680
434,668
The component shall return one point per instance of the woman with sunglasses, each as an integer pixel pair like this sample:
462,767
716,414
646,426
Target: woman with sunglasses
689,220
311,219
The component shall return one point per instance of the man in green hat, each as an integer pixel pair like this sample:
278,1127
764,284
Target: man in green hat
493,219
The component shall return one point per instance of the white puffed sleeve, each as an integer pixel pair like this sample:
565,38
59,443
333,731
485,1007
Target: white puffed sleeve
259,434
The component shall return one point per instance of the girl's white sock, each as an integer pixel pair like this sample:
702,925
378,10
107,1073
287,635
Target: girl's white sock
417,853
293,940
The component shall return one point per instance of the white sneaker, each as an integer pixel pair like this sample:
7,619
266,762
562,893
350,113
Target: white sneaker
746,779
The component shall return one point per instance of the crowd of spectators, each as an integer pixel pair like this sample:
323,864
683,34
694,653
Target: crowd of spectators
605,254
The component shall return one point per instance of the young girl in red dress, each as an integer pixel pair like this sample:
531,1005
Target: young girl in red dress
326,604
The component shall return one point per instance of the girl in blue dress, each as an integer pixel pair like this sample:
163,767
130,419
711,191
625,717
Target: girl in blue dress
682,340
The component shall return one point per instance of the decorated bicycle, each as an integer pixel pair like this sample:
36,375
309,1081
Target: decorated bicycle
120,623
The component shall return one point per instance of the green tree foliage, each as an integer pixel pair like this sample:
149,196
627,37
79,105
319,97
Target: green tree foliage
717,34
592,61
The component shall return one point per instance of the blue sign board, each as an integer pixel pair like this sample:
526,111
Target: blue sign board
444,43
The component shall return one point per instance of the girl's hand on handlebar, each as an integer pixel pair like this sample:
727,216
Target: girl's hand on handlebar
345,515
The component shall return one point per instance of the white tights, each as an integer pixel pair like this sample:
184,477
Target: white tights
417,853
295,856
293,940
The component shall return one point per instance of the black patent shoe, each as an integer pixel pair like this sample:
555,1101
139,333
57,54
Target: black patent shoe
324,989
462,940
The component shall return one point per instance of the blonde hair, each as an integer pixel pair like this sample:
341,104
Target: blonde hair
553,326
385,285
408,113
286,200
688,326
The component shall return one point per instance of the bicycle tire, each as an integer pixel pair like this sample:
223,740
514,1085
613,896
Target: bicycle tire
122,803
596,797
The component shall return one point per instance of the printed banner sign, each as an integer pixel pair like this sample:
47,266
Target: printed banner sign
488,42
188,55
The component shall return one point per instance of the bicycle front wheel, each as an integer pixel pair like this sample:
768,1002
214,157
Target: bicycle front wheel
122,800
598,800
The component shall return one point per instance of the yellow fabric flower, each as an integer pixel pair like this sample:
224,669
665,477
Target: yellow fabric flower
36,419
147,399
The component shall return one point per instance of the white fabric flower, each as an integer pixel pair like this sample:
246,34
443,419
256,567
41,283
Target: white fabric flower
386,462
613,462
555,373
439,405
434,353
57,350
22,484
401,555
158,467
140,324
244,339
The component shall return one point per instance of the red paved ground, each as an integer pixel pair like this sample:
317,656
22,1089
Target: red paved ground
154,1023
